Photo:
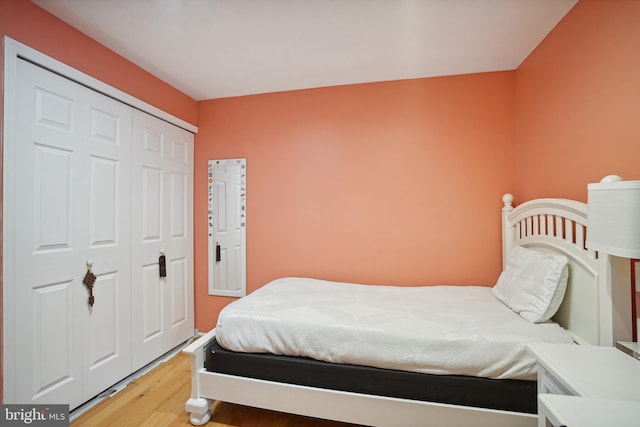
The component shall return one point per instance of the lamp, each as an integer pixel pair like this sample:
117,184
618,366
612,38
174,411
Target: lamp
613,223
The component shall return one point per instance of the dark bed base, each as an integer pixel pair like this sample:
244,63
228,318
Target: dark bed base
507,395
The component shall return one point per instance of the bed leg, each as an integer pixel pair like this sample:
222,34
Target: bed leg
200,409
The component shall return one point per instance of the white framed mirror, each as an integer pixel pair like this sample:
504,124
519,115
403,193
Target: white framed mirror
227,225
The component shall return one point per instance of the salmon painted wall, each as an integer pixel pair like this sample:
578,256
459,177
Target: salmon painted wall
578,102
29,24
386,183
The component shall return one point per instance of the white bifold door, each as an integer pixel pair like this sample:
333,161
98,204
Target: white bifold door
90,184
162,224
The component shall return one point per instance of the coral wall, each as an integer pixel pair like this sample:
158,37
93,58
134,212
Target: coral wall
578,102
386,183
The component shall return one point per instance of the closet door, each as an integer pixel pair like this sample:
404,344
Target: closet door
68,173
162,217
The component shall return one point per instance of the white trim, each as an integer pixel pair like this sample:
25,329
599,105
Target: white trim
14,49
9,377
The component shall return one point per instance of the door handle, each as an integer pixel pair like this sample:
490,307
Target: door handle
218,256
89,280
162,264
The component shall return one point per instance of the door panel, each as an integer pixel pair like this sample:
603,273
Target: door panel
151,303
52,196
162,225
72,207
103,337
105,126
103,201
52,335
179,290
151,218
47,352
106,134
178,206
54,110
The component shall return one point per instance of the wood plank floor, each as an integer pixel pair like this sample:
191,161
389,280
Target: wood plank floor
157,399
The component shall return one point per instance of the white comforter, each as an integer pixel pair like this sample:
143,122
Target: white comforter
461,330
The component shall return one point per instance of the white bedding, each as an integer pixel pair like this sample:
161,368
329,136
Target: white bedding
460,330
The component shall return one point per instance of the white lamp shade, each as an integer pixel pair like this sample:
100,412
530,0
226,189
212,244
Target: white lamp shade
613,222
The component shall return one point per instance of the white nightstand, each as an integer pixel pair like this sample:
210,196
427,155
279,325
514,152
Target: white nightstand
631,348
588,371
593,372
571,411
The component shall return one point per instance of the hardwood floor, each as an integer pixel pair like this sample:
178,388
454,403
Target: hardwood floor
157,399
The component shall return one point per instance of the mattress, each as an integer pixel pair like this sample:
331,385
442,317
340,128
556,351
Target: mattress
446,330
506,395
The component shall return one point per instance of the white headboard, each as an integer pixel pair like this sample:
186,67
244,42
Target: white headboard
559,226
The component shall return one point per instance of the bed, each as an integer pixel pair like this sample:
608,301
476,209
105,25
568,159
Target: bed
343,388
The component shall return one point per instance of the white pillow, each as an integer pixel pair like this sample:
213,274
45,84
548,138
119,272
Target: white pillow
533,283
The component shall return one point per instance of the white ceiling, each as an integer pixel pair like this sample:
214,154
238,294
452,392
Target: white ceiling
222,48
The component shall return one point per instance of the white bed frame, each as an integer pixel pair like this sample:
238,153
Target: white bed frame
555,225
